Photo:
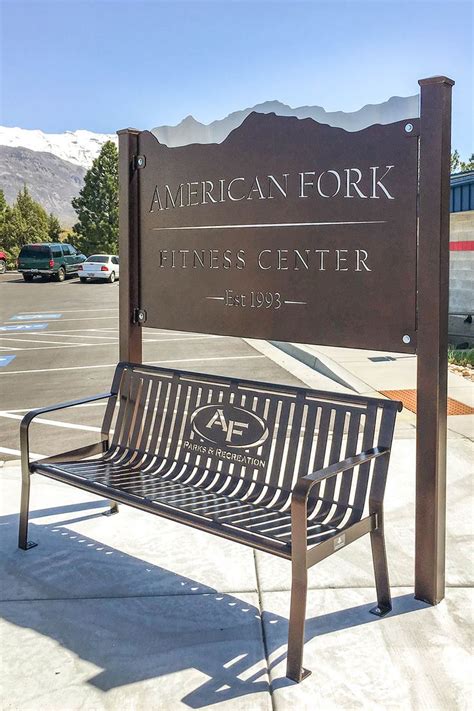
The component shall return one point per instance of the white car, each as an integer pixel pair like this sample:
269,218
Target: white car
100,266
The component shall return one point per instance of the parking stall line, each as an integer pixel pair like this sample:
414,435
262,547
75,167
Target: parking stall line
26,340
111,340
66,320
36,336
170,340
113,365
16,452
33,407
53,423
62,346
69,311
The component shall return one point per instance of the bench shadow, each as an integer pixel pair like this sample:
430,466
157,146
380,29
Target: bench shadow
160,624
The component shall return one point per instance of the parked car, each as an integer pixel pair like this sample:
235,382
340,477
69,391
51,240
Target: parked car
100,266
49,259
3,262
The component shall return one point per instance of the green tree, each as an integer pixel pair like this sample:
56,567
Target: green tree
54,228
461,166
4,215
455,161
32,219
25,222
97,204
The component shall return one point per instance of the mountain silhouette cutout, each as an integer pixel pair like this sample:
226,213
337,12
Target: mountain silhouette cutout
189,130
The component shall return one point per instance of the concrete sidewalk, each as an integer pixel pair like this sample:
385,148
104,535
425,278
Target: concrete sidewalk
371,372
135,612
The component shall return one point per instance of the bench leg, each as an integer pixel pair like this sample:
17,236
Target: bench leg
114,509
299,587
382,584
23,541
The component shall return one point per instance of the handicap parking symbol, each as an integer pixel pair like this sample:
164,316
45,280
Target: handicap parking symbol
33,317
25,327
5,360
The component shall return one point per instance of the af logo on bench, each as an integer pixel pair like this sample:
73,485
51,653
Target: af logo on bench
228,425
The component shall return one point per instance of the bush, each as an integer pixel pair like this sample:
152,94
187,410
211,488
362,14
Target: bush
462,358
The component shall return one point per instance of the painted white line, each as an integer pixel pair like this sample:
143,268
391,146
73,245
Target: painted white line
62,346
84,334
58,345
16,452
70,311
51,343
9,348
113,365
66,320
33,407
191,338
54,423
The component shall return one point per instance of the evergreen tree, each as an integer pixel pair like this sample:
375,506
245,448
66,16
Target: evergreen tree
4,215
97,204
54,228
31,222
455,161
25,222
461,166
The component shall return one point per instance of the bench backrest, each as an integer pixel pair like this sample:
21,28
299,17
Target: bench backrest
270,434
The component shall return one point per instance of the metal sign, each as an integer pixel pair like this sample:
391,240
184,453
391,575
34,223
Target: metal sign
287,230
294,230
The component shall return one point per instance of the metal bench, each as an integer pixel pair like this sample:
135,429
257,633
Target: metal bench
290,471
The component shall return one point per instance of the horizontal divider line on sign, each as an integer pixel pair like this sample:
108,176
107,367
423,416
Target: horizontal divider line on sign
276,224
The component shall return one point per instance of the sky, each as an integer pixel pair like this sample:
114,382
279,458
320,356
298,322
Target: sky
103,65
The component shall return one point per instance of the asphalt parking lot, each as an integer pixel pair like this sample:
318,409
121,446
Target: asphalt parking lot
59,341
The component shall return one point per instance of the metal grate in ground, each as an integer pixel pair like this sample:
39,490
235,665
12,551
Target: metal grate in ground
408,398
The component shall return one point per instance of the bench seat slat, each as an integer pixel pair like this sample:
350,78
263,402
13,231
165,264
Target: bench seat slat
254,520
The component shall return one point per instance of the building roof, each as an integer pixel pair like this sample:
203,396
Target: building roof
462,191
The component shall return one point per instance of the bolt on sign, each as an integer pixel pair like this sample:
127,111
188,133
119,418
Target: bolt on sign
287,228
290,229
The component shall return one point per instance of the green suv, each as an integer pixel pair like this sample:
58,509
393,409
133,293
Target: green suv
49,259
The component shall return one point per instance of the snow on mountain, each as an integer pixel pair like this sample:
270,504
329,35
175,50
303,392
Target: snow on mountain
81,147
53,164
77,147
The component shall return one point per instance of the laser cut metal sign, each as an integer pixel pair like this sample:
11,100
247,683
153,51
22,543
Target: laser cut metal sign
287,228
293,230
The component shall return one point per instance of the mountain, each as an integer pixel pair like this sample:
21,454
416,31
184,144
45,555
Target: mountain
53,165
53,182
191,131
77,147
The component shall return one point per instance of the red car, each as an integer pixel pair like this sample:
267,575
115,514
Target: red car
3,262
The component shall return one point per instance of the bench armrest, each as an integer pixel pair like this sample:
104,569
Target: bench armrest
30,416
305,484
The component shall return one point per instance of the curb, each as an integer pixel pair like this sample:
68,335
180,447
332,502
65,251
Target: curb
311,357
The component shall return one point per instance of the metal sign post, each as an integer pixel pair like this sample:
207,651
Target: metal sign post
432,348
129,246
297,231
